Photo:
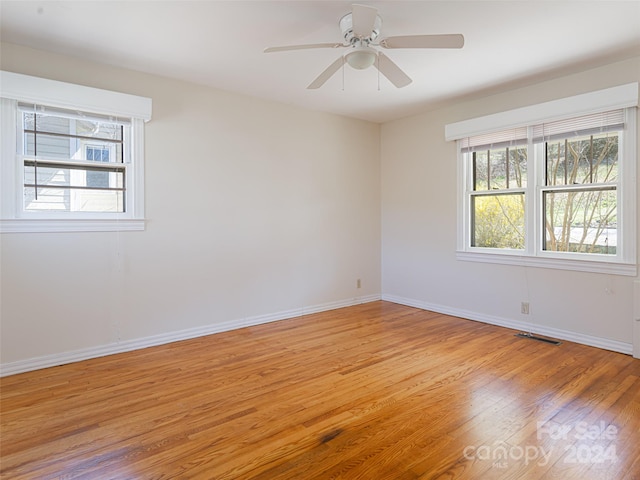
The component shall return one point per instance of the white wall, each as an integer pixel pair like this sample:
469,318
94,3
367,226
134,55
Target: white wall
253,208
419,198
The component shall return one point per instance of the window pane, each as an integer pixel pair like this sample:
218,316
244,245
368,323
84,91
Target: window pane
583,160
498,221
63,188
581,221
480,170
57,176
50,136
47,123
518,167
605,158
49,146
104,130
98,179
500,168
76,200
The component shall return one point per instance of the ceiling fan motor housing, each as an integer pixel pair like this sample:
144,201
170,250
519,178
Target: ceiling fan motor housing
346,26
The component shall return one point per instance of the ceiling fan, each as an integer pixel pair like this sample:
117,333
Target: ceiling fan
360,30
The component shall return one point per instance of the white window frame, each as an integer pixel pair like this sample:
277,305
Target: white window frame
17,88
624,262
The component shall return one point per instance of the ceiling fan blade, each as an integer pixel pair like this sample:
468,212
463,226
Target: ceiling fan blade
363,18
327,74
424,41
393,72
303,47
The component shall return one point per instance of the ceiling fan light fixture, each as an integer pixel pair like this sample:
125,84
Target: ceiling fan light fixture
361,58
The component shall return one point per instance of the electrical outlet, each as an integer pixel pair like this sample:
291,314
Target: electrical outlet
358,283
524,308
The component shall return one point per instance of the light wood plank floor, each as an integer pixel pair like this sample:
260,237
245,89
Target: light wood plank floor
376,391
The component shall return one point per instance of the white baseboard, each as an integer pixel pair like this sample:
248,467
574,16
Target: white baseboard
604,343
46,361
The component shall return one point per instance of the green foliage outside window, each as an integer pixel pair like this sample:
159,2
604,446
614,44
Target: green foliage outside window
498,221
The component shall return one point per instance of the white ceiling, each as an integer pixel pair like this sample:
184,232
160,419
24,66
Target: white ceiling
221,43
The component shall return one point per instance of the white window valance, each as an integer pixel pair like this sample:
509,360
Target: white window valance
622,96
36,90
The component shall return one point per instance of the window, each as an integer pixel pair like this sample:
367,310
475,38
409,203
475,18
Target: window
497,196
63,172
557,193
580,187
75,161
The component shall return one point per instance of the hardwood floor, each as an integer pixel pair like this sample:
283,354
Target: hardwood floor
376,391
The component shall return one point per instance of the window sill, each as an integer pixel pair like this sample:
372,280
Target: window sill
70,225
627,269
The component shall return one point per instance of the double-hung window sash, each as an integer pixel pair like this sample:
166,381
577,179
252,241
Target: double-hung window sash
73,161
580,184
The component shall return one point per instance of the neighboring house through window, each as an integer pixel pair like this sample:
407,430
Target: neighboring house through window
99,179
